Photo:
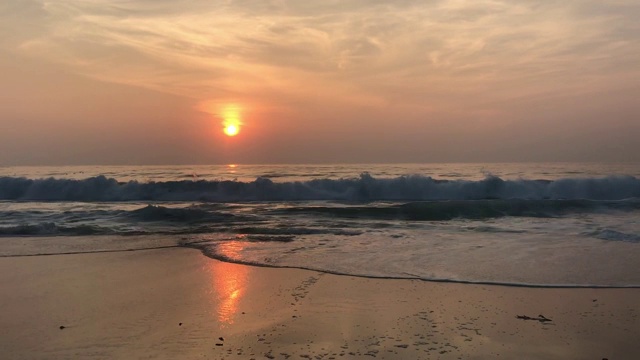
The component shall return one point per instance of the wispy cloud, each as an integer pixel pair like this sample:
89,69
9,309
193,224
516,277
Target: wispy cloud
430,54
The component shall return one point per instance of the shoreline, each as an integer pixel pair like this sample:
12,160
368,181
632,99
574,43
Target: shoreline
215,257
176,303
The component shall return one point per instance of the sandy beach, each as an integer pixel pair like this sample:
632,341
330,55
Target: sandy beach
178,304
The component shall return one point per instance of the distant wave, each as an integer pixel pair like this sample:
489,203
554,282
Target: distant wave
467,209
363,189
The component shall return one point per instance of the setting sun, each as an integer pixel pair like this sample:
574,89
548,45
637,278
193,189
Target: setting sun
231,119
231,130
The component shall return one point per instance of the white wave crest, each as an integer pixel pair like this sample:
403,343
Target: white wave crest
364,188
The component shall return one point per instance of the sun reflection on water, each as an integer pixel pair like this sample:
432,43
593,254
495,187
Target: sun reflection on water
229,282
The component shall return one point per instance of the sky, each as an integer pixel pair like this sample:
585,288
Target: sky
368,81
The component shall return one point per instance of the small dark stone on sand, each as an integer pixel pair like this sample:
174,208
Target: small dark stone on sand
179,324
62,327
218,344
221,338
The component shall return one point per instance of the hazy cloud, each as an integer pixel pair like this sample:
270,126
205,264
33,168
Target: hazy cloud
441,60
474,44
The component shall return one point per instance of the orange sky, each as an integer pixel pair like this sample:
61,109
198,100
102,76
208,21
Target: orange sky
148,82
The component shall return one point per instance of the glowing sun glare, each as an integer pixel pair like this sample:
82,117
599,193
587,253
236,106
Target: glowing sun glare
231,115
231,130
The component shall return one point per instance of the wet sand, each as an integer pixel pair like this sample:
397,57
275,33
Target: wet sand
179,304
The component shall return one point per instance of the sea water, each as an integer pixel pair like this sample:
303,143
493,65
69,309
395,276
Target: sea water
531,224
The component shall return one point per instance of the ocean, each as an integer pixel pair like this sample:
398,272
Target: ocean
528,224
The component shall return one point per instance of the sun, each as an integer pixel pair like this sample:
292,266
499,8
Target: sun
231,130
231,115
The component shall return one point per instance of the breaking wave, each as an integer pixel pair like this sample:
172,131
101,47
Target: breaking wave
363,189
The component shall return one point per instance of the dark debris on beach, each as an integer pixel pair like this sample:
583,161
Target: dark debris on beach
540,318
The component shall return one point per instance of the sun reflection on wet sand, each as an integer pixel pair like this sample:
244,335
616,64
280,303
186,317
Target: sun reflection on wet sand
229,282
